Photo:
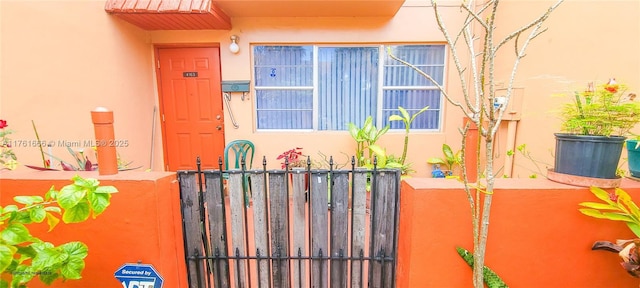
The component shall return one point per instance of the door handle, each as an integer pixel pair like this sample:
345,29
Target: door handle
219,127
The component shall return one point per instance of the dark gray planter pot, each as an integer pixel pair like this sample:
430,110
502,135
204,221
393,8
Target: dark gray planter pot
588,156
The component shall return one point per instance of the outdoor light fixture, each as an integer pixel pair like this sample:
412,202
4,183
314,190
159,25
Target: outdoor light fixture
233,47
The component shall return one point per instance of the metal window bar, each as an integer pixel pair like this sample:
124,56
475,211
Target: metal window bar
333,234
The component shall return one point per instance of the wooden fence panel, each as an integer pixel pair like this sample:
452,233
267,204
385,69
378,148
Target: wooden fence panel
383,230
358,228
215,208
300,181
238,247
319,231
261,228
191,213
279,206
339,183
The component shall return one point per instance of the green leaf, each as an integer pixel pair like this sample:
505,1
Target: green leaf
22,274
37,214
52,221
6,256
48,258
606,215
601,194
99,203
405,114
70,196
14,234
53,209
635,228
4,284
75,249
26,253
48,276
72,269
51,194
106,189
28,200
76,213
86,183
435,161
599,206
10,208
395,117
413,117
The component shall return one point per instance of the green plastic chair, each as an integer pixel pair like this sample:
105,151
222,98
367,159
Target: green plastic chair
239,149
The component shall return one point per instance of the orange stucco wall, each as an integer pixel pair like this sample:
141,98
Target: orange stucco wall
537,237
60,59
142,224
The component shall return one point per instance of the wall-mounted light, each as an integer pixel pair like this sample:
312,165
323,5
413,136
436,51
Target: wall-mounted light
233,47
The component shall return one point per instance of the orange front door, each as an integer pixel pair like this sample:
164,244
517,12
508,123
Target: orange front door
191,100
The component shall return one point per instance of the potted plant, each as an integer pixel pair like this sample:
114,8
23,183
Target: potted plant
595,124
450,162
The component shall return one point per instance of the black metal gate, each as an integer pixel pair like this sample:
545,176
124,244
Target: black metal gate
262,228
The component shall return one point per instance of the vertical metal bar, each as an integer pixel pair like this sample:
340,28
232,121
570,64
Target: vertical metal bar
196,255
300,267
341,263
352,173
374,195
205,240
310,211
396,223
245,194
224,216
266,199
361,267
383,263
320,267
239,281
217,261
258,267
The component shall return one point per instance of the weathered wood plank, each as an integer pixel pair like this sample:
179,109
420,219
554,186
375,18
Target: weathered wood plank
319,228
215,206
238,247
382,228
260,228
358,229
339,183
299,223
192,227
279,206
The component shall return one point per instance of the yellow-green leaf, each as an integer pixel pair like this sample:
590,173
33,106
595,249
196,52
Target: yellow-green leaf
77,213
601,194
37,214
52,221
6,255
599,206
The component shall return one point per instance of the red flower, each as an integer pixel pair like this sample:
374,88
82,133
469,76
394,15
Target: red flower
612,86
3,124
613,196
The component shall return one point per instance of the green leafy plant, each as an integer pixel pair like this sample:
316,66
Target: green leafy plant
451,159
605,111
365,137
407,120
23,256
616,206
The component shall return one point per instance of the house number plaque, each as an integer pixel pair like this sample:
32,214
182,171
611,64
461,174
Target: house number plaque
189,74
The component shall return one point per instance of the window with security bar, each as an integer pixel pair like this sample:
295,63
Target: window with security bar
323,88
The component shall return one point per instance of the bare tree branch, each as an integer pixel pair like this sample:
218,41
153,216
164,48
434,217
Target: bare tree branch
540,19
